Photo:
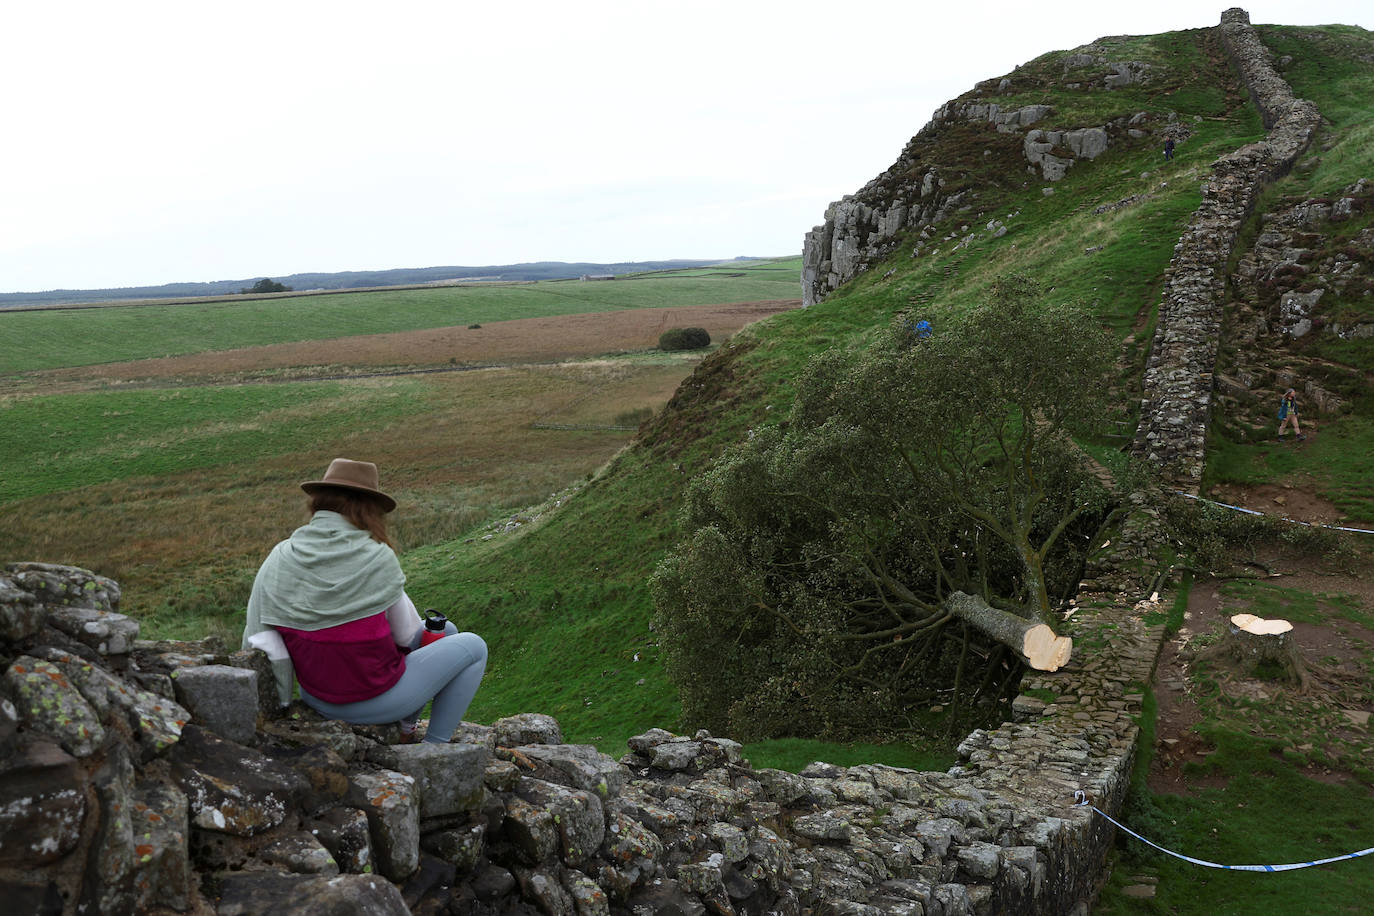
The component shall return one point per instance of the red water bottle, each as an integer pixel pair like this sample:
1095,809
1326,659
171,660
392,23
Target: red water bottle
434,627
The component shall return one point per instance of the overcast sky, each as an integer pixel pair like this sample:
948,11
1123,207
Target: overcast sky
155,142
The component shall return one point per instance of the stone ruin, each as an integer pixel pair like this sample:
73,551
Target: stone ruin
161,777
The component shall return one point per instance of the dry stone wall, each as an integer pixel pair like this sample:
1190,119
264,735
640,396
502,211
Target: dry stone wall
1178,382
157,777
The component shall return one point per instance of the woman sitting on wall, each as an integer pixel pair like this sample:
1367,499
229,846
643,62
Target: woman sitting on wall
329,607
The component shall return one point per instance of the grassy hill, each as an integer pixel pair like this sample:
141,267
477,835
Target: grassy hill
577,578
564,597
553,571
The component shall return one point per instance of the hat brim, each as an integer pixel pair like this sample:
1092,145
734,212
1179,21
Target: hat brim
314,486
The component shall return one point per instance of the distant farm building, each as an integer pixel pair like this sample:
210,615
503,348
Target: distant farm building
598,276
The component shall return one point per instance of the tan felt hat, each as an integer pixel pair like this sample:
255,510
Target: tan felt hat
350,475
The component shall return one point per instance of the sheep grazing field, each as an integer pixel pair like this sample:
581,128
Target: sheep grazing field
162,445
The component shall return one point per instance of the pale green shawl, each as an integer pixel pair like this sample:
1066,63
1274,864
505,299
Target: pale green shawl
328,572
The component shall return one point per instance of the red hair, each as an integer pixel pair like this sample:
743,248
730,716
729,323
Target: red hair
364,510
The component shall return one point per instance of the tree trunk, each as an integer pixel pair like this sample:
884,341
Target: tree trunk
1037,644
1256,645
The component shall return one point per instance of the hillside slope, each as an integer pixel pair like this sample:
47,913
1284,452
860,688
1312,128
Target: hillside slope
562,598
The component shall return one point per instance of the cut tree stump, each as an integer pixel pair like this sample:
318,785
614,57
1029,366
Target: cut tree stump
1255,644
1039,646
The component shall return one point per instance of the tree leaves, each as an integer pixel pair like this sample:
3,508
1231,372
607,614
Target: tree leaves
819,551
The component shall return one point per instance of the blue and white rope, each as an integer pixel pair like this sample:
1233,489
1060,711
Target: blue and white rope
1282,517
1081,801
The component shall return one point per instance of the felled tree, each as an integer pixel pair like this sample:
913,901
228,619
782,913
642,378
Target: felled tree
900,536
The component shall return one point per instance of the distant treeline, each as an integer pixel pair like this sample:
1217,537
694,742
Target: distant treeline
352,279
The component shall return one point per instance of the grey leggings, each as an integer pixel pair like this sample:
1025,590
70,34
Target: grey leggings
448,671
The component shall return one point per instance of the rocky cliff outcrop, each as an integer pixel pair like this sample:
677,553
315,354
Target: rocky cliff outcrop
159,777
910,197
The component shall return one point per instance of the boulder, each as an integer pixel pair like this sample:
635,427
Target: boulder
578,766
42,805
104,631
255,893
48,703
345,833
64,586
301,853
161,832
393,816
577,815
527,728
21,613
222,699
231,788
449,778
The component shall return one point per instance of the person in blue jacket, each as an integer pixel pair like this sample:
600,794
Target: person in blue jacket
1288,413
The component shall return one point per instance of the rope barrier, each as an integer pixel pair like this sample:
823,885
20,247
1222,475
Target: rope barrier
1081,801
1282,517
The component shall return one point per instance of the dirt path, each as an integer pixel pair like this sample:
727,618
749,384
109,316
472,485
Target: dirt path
1285,500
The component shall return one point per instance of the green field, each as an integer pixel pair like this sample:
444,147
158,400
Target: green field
176,486
52,338
1256,809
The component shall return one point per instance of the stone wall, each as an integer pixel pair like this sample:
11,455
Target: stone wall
1178,382
157,777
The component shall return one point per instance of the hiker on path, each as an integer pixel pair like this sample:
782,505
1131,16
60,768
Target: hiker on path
1288,413
329,607
1169,148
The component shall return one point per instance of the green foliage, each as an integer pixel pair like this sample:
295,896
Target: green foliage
1210,536
795,754
266,285
684,339
818,552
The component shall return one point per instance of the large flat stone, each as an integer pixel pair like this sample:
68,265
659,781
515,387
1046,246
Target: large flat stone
448,777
